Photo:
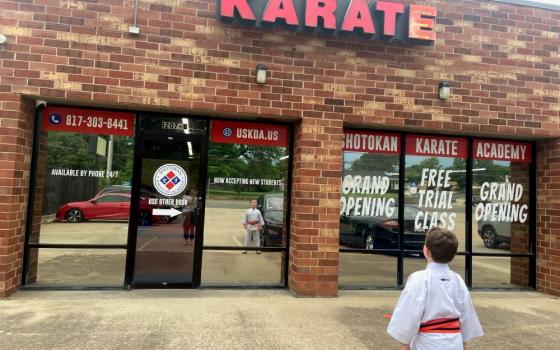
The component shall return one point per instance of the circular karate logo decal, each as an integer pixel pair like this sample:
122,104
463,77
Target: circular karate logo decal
170,180
227,132
55,118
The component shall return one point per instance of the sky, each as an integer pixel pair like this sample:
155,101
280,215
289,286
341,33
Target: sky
552,2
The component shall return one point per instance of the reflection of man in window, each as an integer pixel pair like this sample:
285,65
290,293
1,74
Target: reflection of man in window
252,222
189,217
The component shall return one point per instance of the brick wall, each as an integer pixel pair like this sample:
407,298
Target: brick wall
16,123
548,217
503,61
317,170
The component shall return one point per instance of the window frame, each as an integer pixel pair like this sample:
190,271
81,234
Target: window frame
285,249
468,252
131,241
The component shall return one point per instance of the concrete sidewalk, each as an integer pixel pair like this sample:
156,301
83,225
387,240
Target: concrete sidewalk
249,319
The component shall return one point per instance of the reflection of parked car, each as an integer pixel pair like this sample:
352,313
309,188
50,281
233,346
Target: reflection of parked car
108,206
381,232
494,233
271,206
125,189
476,200
114,189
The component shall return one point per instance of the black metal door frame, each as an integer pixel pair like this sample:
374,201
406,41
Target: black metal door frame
142,135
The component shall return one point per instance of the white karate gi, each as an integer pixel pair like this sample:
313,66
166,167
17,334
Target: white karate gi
434,293
253,232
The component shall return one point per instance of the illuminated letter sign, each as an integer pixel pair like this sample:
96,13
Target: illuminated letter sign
276,9
324,9
358,16
383,20
228,7
421,23
391,11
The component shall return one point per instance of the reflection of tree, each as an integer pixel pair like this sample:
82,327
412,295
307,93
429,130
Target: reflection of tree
123,148
414,172
69,151
459,176
489,171
245,161
375,163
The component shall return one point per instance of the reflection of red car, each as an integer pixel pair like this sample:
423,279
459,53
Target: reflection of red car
108,206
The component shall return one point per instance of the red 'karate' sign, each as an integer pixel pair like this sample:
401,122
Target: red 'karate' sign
384,20
249,133
436,146
519,152
371,142
87,121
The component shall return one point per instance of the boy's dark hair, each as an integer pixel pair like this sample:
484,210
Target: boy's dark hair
442,244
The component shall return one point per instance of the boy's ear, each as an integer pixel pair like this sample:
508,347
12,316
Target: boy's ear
426,251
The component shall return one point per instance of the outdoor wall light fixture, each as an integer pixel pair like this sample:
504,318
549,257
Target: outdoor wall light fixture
444,90
261,73
3,39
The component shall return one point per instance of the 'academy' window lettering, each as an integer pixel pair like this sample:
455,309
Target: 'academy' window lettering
502,150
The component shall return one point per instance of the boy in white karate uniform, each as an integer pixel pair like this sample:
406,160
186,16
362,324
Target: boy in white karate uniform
435,310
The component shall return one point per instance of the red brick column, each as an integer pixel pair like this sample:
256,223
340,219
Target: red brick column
317,168
16,125
548,217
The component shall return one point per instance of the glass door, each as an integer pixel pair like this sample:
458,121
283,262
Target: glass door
170,210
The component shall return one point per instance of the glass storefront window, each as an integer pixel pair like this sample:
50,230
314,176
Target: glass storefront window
87,183
247,162
500,272
413,263
79,267
82,196
358,270
435,188
229,268
435,185
369,206
370,191
501,196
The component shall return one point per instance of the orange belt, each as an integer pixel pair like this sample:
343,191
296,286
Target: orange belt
441,325
253,222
